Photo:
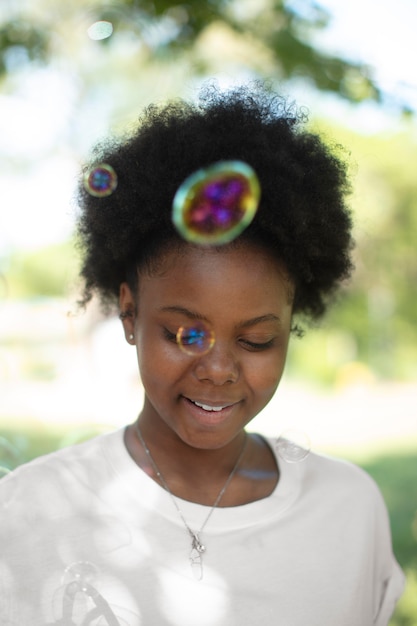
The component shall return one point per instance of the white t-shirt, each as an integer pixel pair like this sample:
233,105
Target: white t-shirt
87,538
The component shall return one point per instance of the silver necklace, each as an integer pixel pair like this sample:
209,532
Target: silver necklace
197,547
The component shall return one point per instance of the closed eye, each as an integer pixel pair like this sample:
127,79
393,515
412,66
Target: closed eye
253,346
170,336
256,346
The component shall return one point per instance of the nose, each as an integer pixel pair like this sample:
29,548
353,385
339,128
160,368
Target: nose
219,366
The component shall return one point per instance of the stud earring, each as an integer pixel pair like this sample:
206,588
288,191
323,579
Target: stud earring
131,337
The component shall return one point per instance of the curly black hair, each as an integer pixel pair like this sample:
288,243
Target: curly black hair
303,216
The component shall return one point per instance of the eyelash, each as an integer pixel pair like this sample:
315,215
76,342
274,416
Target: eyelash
257,347
251,345
170,336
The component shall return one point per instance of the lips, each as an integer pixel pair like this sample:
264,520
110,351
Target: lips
209,414
208,407
219,409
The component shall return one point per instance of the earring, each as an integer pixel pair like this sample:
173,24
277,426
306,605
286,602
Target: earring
131,337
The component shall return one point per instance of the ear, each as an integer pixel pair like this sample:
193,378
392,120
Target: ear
127,306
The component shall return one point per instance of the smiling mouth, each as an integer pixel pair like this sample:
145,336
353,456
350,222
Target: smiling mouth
210,407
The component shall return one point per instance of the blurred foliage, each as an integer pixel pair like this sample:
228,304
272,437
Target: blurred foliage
20,43
48,272
272,38
406,611
373,319
396,477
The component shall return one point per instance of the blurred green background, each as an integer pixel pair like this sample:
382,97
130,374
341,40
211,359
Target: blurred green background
70,74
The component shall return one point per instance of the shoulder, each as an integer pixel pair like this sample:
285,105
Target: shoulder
343,490
334,485
343,478
333,471
54,474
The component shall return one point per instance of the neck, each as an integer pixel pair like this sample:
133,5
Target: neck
191,469
188,453
198,475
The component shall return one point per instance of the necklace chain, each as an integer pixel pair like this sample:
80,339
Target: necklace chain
197,547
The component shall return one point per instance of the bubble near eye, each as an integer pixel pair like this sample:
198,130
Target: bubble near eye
100,181
293,446
195,340
215,204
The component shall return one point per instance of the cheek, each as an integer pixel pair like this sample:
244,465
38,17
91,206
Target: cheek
265,376
159,359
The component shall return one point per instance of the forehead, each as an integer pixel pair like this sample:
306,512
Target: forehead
244,271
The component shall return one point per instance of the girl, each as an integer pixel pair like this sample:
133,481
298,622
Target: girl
184,518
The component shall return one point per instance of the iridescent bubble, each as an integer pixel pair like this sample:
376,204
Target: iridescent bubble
73,600
79,600
215,204
293,446
81,571
101,180
196,339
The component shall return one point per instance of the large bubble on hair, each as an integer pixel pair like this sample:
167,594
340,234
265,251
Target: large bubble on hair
215,204
100,181
195,339
293,445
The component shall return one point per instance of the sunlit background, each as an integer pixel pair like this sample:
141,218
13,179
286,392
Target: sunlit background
70,74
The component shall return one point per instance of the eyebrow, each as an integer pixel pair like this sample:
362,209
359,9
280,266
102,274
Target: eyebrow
193,315
269,317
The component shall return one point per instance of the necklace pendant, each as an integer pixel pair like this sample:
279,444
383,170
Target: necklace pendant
197,548
196,563
196,557
197,545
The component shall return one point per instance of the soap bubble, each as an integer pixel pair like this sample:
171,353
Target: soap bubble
73,597
196,339
293,446
81,571
79,601
100,181
215,204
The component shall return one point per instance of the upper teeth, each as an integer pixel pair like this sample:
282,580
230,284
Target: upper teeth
206,407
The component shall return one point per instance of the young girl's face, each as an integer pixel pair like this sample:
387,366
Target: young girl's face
244,297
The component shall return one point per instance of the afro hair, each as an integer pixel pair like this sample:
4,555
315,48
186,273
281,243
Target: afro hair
303,216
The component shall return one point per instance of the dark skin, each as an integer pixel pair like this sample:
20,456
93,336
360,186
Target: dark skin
255,479
196,408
